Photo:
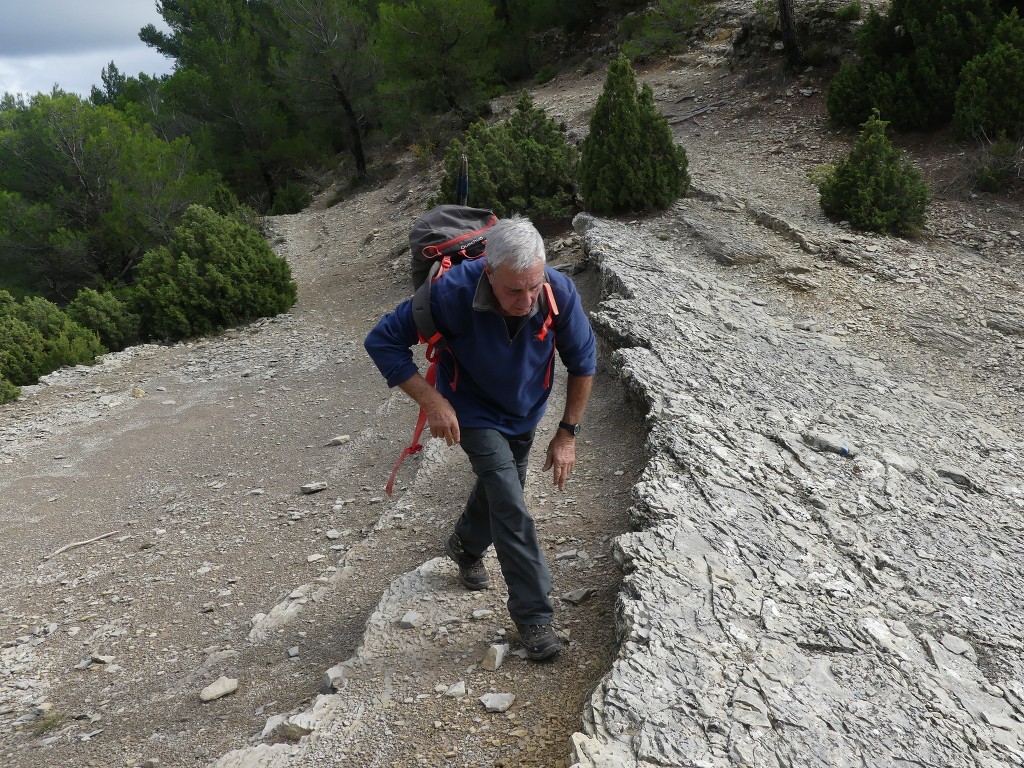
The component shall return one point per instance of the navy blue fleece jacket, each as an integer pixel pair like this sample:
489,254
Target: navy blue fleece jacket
491,380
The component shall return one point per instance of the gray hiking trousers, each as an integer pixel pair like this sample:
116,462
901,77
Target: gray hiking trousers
496,514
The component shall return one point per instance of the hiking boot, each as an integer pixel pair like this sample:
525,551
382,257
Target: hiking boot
472,573
540,640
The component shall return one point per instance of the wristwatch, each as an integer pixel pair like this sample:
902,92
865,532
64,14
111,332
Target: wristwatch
573,429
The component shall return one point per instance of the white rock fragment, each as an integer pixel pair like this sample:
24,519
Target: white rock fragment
495,656
497,702
340,440
222,686
314,487
959,646
280,727
456,691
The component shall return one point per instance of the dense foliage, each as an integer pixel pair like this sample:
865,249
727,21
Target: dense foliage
109,316
214,273
1001,165
990,99
523,165
629,161
910,62
84,192
435,53
37,337
874,188
8,391
664,27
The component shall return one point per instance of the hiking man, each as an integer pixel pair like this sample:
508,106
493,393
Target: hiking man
504,317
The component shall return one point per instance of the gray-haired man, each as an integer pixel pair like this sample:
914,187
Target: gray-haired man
504,317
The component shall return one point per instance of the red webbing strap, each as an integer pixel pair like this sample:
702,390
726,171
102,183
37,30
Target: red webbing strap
415,446
439,268
542,334
552,311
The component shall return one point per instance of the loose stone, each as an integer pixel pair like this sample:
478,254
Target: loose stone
497,702
222,686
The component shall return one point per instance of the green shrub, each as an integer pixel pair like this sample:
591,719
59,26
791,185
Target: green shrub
545,74
818,54
110,317
1001,167
990,99
663,28
629,161
523,165
291,198
214,273
224,201
874,188
847,13
22,351
8,392
847,100
65,342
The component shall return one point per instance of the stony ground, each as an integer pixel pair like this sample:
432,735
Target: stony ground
189,461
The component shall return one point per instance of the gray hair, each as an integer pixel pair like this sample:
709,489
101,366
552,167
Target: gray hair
514,243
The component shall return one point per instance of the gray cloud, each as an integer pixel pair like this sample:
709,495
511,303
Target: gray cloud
34,28
69,42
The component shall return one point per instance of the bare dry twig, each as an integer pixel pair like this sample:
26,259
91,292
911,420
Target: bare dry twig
691,115
77,544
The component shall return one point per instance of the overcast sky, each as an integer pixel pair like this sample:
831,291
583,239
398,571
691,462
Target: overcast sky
69,42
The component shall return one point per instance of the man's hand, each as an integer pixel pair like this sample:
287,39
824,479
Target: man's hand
561,456
441,416
442,420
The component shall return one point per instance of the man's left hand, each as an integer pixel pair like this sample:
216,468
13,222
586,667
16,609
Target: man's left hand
561,456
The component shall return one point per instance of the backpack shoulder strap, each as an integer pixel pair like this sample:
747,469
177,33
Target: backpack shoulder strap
421,314
548,307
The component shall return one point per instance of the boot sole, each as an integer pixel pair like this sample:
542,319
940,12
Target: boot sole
475,586
543,654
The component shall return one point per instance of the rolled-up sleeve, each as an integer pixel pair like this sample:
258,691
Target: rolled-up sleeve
390,344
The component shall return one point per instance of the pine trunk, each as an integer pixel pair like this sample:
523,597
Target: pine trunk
790,39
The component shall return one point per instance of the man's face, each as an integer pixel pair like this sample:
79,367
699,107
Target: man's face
516,292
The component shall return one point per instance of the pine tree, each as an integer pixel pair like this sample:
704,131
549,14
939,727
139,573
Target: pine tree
875,188
629,160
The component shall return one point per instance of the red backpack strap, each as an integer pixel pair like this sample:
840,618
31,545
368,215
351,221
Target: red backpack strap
415,446
549,321
436,343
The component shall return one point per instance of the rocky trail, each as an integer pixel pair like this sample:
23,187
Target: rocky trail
794,537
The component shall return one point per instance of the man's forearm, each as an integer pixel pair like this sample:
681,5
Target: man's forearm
577,395
419,390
